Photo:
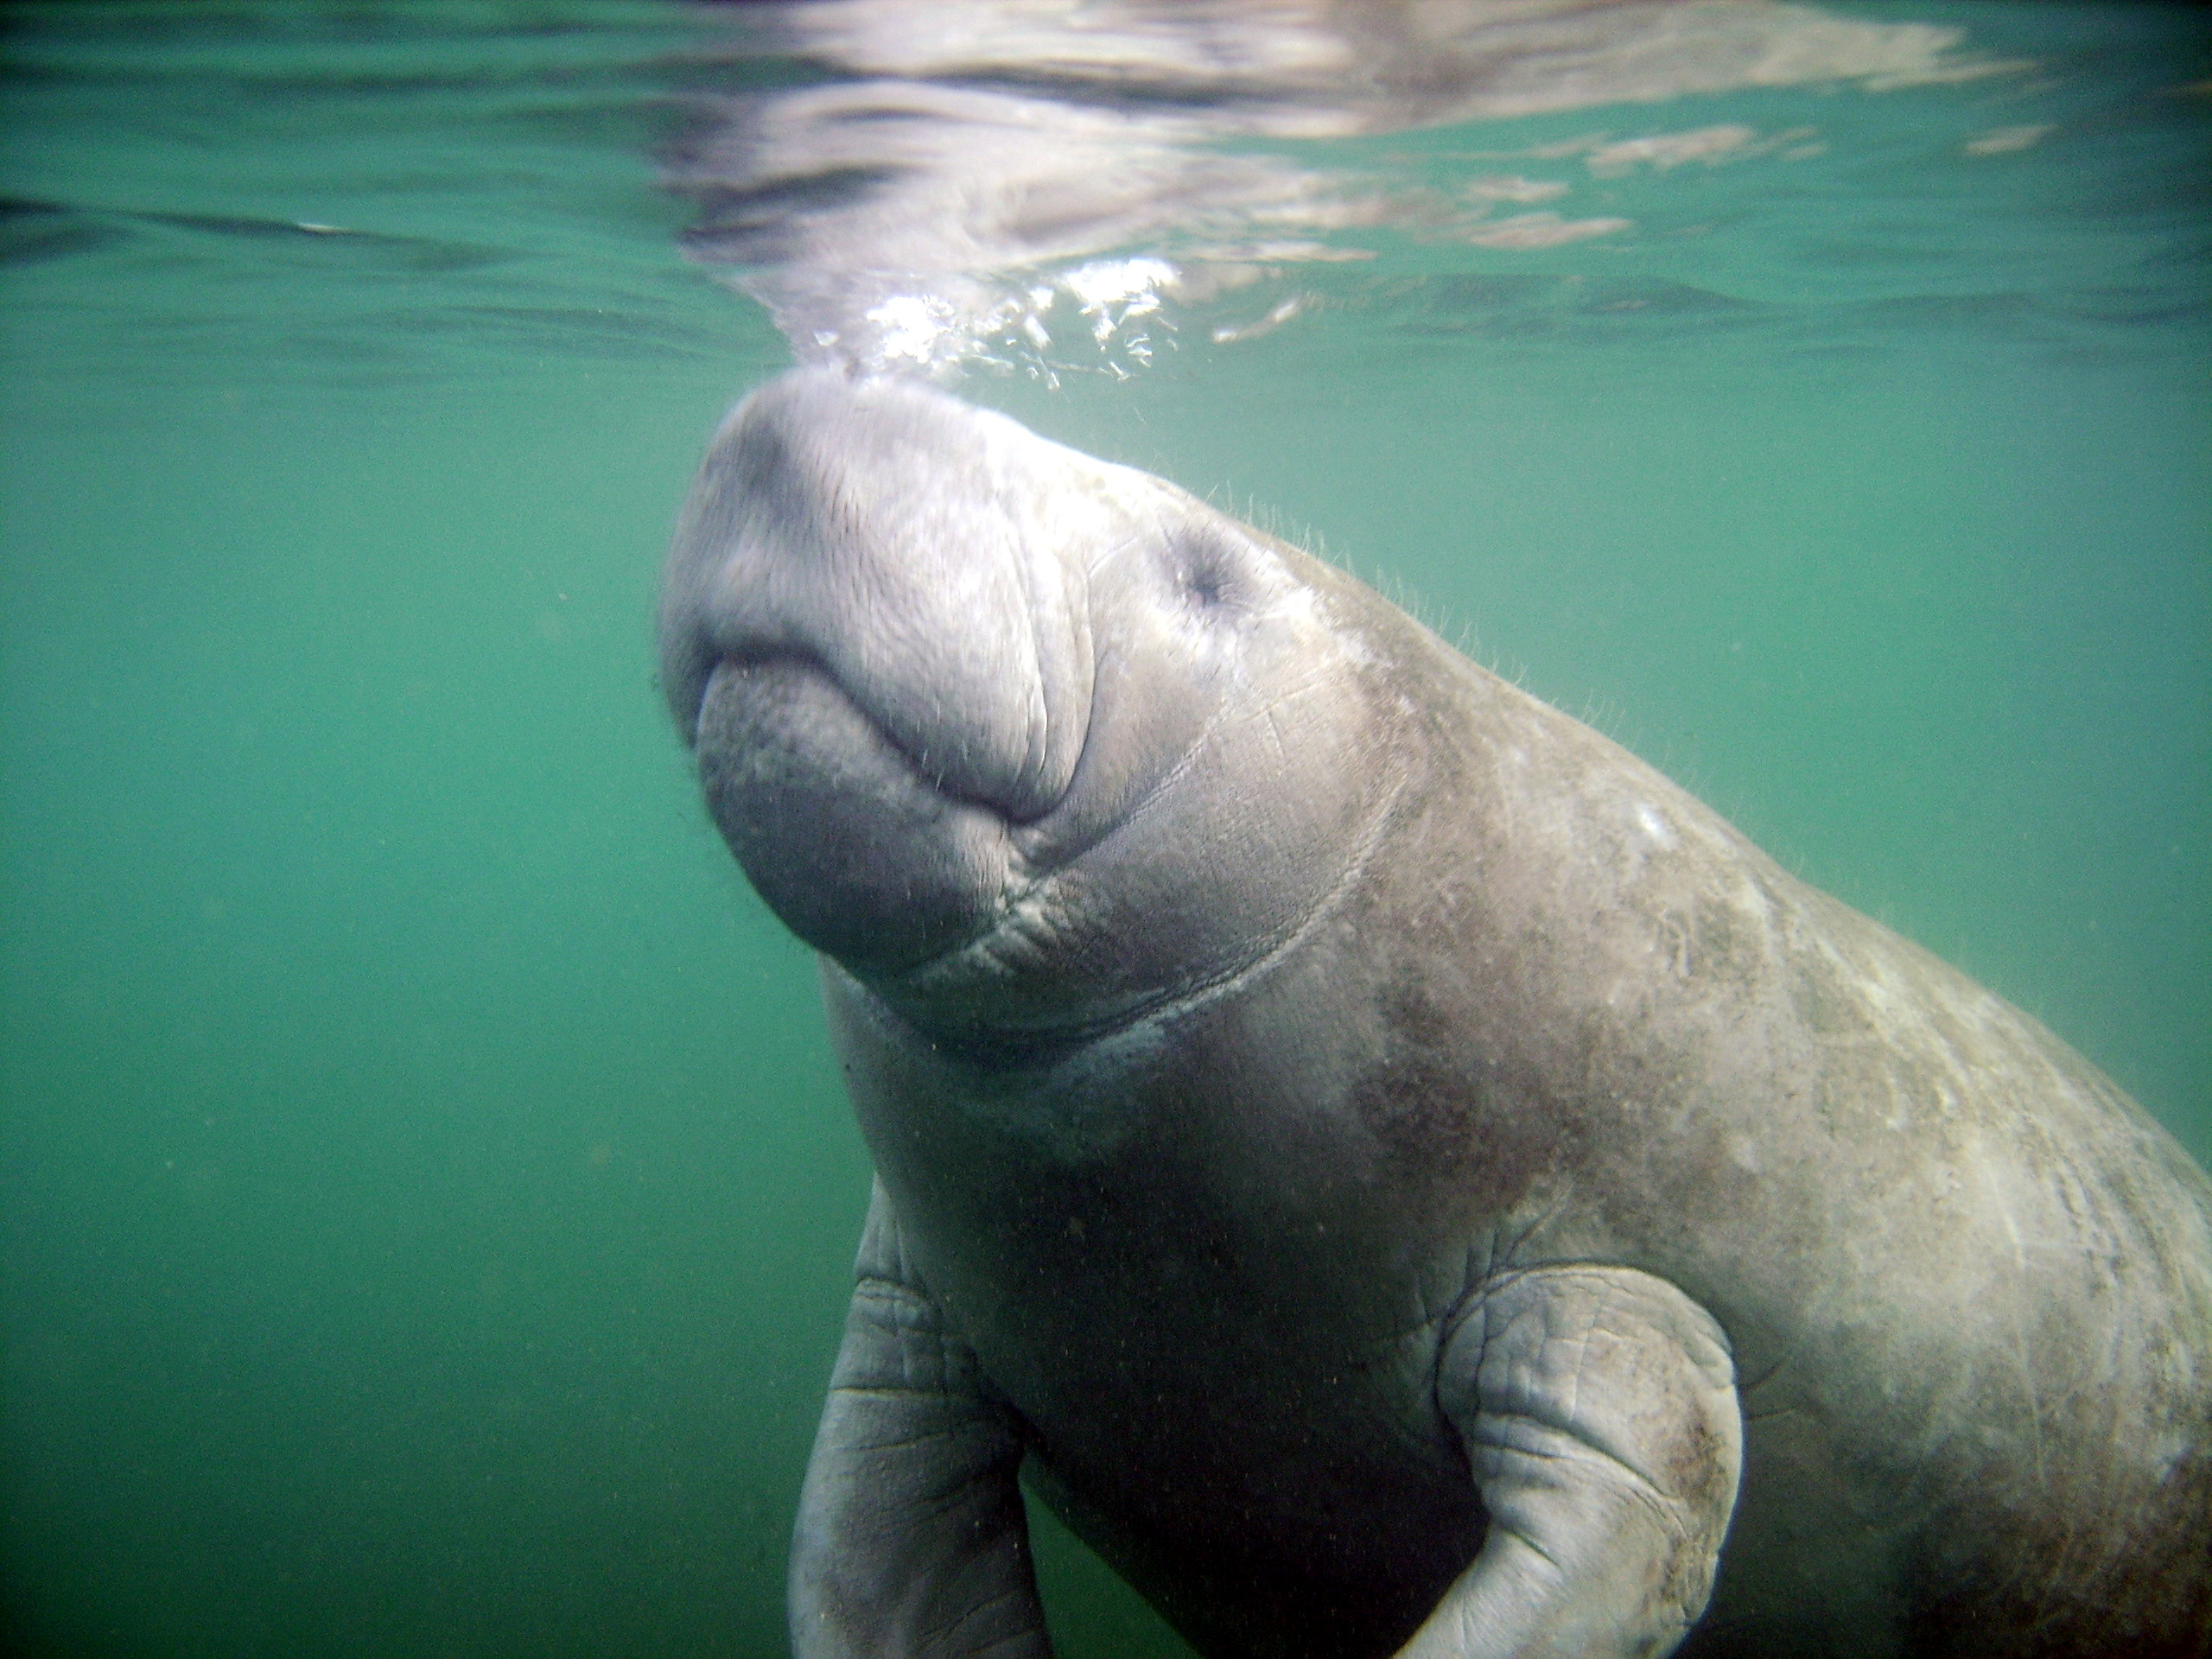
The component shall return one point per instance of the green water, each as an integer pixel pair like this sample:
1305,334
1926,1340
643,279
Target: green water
427,1202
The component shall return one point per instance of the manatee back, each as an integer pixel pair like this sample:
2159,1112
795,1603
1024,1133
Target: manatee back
1969,1281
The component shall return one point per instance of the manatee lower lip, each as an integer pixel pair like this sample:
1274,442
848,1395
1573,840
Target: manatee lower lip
857,851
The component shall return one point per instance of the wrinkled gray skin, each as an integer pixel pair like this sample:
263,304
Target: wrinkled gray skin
1395,1172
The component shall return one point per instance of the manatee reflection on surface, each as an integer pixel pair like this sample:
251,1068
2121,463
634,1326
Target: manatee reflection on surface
937,184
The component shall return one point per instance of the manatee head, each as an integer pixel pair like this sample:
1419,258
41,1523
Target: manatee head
1032,744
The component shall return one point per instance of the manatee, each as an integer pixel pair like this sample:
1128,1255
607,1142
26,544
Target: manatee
1394,1172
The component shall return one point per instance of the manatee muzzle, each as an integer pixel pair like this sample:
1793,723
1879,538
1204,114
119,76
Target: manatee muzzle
880,657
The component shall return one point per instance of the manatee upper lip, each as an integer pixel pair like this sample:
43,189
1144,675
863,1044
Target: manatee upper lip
928,772
884,533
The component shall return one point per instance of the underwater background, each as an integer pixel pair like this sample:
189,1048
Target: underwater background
427,1203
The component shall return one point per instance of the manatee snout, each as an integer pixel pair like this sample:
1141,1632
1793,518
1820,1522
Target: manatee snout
977,713
879,665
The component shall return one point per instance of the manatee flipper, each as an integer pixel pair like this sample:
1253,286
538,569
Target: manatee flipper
912,1539
1597,1407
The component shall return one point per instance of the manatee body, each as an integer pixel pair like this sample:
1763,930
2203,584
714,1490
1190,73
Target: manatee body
1393,1171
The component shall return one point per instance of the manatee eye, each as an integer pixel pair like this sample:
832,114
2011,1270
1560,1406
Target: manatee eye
1205,572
